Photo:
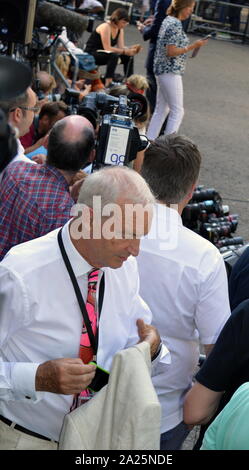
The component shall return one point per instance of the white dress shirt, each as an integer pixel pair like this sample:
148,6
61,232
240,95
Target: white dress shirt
184,282
40,320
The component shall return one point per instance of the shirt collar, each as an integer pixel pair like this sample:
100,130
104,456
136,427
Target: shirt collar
163,209
79,264
57,174
20,148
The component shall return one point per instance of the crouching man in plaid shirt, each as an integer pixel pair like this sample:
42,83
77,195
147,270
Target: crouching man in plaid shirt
35,199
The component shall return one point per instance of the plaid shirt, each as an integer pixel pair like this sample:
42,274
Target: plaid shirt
34,199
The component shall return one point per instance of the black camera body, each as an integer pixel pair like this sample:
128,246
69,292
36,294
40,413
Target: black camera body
201,194
118,138
206,215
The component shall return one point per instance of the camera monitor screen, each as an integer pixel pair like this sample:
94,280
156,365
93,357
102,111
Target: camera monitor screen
112,5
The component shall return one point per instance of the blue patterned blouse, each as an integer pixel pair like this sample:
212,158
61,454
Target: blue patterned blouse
171,33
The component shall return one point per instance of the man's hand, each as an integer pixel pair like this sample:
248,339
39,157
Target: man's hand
140,26
130,51
39,158
150,334
84,92
64,376
149,20
136,47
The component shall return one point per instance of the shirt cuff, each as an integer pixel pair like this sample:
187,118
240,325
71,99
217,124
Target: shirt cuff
23,382
163,357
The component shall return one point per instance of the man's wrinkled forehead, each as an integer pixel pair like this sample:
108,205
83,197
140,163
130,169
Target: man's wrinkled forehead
135,219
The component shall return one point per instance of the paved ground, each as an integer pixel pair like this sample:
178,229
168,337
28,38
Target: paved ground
216,95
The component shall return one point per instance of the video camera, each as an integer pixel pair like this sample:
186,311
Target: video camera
118,139
213,231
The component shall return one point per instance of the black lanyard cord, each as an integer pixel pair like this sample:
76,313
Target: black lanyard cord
79,295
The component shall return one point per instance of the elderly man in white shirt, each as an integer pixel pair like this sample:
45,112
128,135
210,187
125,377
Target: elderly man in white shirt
41,320
183,278
20,111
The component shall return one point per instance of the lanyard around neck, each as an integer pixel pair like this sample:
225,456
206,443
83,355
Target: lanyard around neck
92,338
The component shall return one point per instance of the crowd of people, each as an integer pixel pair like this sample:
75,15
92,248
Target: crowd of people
93,264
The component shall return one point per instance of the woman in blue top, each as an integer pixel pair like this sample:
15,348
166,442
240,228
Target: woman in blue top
169,66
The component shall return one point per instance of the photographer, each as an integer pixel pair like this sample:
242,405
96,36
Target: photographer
46,82
20,112
37,136
182,277
35,198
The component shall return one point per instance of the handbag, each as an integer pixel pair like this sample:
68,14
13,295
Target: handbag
86,62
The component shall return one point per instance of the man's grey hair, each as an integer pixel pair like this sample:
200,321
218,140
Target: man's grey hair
12,103
115,184
171,166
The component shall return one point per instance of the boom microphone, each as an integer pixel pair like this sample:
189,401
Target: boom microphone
52,16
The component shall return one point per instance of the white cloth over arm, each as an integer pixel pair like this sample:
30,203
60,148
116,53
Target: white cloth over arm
125,414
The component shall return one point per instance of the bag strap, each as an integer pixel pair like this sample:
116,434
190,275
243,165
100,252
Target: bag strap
78,294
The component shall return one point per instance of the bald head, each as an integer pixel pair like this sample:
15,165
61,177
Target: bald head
73,126
70,143
46,81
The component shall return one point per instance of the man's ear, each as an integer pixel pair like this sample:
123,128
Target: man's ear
16,116
92,221
190,193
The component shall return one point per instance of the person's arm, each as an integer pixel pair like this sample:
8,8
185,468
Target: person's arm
150,334
208,348
212,309
219,371
200,404
121,41
17,379
151,31
65,376
42,142
23,381
174,51
131,50
105,33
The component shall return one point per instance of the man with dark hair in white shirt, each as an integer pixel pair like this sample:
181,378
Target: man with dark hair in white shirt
41,320
20,111
183,278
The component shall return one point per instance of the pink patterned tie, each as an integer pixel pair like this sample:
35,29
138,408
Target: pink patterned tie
86,352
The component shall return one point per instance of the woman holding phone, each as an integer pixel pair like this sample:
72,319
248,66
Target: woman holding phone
169,66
